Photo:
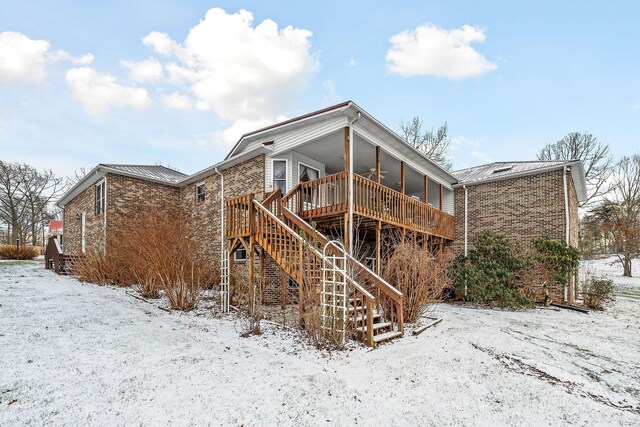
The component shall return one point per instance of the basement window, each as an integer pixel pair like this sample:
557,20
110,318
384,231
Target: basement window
200,193
240,254
100,196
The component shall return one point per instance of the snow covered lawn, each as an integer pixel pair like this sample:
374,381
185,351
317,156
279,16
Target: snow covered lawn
81,354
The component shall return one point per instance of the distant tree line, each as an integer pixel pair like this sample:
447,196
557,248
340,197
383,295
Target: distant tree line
26,202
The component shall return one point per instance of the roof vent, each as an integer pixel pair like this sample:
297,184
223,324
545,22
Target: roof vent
504,169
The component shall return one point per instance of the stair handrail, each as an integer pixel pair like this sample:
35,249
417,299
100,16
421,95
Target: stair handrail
394,293
315,251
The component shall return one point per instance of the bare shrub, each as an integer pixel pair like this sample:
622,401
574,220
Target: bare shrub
419,274
598,292
22,252
154,249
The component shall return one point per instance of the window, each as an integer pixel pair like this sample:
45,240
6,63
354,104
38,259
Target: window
240,254
280,175
200,192
307,173
100,197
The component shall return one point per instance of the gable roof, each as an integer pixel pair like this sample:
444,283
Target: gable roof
506,170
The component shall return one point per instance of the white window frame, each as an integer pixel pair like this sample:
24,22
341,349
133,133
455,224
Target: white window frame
286,174
100,205
204,192
309,167
83,231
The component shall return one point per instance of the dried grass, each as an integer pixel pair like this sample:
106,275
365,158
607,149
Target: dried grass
23,252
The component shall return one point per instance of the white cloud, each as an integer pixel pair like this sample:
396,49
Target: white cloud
636,107
466,152
99,92
21,59
160,43
147,71
246,74
351,62
430,50
178,101
63,55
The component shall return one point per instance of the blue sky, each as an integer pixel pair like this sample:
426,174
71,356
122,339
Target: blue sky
508,77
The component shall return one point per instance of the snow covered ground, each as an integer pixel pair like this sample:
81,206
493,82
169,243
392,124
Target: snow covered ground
81,354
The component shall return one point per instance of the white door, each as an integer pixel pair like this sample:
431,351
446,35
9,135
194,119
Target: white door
83,231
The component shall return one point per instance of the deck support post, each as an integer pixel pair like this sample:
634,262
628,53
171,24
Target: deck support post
252,281
283,289
301,305
426,190
378,232
378,167
232,279
348,223
441,243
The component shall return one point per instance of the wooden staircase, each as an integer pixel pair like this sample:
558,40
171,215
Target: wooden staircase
372,307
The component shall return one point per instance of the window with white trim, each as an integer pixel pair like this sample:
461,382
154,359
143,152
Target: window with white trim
280,175
100,196
200,192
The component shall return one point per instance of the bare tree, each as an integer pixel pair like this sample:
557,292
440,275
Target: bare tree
624,205
12,205
25,199
595,157
39,189
77,176
433,143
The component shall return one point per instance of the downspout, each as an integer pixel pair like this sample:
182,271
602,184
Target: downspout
466,252
566,219
350,177
105,214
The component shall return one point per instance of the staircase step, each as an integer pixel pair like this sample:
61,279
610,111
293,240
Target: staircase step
376,326
386,336
360,317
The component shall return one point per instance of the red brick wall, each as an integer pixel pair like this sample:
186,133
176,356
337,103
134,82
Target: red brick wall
94,224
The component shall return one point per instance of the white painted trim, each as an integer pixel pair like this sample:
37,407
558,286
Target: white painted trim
105,216
83,232
103,196
286,175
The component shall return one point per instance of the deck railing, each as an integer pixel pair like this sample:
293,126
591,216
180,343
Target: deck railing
329,196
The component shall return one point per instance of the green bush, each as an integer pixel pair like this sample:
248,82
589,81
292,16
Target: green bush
598,293
557,258
489,274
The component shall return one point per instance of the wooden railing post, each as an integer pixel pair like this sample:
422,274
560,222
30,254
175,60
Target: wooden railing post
372,343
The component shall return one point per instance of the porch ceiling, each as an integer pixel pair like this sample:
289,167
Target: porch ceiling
330,150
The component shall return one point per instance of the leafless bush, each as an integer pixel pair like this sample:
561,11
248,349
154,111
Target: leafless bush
154,249
22,252
419,274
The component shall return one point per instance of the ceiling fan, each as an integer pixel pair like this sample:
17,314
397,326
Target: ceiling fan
372,172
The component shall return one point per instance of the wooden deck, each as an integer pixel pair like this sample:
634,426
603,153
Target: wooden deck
328,197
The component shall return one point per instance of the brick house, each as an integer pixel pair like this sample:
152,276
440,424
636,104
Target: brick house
524,201
284,193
